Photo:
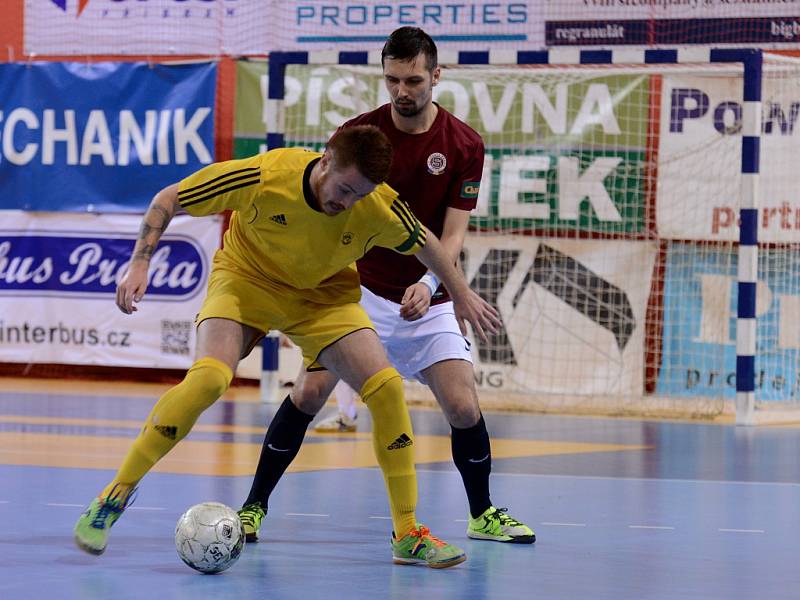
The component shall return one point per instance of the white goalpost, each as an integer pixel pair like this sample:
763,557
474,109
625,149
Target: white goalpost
638,223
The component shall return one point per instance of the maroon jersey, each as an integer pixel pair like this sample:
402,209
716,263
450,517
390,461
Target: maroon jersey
431,171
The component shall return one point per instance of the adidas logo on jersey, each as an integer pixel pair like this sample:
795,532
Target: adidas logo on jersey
279,219
401,442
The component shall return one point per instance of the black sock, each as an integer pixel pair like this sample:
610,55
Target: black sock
281,444
473,457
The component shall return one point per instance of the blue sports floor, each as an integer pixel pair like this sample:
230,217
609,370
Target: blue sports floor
623,509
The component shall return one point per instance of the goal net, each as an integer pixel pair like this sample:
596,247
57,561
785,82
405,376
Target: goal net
607,228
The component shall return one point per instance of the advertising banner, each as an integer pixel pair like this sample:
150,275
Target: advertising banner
573,314
147,27
699,336
672,22
58,276
699,158
583,135
101,137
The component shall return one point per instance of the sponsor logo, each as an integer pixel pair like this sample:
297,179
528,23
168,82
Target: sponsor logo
347,238
402,441
125,8
437,163
479,460
62,4
55,263
273,448
168,431
470,189
279,219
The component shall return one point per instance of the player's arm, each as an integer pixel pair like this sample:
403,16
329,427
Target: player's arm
160,212
417,298
470,306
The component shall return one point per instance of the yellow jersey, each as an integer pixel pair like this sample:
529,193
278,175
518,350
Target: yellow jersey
277,233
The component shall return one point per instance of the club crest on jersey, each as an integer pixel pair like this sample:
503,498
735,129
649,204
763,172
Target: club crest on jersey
437,163
347,237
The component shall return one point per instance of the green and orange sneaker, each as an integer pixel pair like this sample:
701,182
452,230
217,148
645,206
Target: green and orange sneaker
92,529
420,547
496,525
251,516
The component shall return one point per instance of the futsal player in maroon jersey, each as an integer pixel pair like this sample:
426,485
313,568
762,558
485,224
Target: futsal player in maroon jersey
437,167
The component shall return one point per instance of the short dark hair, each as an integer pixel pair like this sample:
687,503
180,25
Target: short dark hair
406,43
364,146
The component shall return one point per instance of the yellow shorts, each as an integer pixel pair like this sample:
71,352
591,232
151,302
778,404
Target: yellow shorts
265,306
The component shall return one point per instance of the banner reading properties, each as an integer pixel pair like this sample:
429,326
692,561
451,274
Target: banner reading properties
58,277
101,136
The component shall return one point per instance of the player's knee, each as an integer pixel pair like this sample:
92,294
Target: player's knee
210,377
310,395
463,417
388,381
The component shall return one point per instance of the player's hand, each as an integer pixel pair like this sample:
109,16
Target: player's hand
132,286
416,302
480,314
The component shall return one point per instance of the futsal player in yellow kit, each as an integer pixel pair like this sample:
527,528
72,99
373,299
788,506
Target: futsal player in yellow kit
300,220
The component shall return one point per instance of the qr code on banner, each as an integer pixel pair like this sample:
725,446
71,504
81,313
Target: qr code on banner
175,337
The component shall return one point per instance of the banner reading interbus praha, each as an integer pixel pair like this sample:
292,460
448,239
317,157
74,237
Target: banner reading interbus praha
566,150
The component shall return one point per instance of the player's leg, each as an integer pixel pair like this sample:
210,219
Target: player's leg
282,443
220,344
359,359
452,382
344,420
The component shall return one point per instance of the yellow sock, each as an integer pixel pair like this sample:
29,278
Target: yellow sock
171,419
393,439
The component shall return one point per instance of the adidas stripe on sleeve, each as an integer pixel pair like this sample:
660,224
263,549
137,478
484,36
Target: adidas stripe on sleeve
410,229
228,185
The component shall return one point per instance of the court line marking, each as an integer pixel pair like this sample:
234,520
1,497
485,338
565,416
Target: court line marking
555,524
650,527
384,518
305,515
740,530
606,478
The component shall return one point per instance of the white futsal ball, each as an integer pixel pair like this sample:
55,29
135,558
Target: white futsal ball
209,537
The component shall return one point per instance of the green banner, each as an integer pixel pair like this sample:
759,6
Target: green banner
565,147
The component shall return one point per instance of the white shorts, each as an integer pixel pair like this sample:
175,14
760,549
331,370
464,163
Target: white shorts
416,345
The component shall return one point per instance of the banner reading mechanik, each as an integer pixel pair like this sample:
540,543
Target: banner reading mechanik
58,276
101,137
573,314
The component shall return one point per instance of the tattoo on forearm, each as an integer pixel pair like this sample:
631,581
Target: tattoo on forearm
153,226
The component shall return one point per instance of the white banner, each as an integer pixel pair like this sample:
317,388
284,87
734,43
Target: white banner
147,27
58,274
699,158
212,27
573,314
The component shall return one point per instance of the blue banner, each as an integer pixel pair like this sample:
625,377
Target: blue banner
101,137
78,264
699,337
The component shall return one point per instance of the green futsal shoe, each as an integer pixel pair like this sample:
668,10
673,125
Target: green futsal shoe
496,525
420,547
93,526
251,516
